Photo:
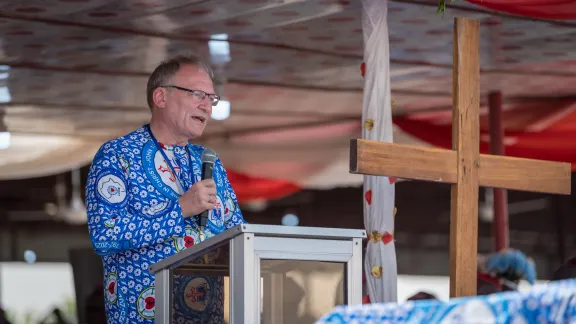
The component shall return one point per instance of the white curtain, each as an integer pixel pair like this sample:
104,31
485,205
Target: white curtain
380,262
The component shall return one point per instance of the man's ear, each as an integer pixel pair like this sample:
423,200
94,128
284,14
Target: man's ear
159,97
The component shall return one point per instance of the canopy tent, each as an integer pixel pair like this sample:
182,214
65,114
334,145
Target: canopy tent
544,131
73,76
543,9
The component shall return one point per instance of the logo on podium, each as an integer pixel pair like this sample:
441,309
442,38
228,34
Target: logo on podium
197,294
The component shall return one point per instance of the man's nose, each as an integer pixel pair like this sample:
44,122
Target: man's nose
206,105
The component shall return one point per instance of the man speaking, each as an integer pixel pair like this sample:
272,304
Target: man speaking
145,192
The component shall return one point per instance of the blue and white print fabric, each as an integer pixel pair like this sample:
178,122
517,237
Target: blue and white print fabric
544,303
135,220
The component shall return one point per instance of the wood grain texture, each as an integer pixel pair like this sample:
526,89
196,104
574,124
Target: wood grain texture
402,161
525,174
437,165
465,141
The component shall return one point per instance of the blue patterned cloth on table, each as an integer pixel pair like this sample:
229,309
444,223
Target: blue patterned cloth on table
543,303
135,220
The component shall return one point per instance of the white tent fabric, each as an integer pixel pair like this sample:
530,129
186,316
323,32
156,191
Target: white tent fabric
380,262
313,163
31,156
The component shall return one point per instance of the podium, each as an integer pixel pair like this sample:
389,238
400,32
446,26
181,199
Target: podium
268,273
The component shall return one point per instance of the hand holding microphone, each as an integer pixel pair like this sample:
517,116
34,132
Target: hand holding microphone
201,197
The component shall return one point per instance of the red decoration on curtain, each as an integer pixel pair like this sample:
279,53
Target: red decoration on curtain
251,188
368,196
544,9
387,238
544,131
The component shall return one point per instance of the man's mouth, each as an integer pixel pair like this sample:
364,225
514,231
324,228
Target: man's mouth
199,119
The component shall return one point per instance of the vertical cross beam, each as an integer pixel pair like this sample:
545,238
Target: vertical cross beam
465,141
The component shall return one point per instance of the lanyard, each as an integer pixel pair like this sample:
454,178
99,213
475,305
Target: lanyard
201,231
168,160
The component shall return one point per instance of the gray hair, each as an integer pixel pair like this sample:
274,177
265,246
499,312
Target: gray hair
167,69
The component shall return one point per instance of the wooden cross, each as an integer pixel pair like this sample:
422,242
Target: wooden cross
463,166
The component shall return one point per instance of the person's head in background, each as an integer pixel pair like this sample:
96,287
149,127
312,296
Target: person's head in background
423,296
566,271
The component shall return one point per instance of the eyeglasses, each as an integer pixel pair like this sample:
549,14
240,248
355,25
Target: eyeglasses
197,94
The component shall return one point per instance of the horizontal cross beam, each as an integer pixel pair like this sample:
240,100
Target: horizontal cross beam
439,165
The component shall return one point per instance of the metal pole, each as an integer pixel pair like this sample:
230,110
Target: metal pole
163,291
500,225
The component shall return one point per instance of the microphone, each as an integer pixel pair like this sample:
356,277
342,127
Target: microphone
208,158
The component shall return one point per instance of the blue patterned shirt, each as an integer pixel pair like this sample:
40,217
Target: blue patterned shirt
135,220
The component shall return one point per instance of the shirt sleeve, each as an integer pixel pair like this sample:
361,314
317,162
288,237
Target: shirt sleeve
236,217
112,227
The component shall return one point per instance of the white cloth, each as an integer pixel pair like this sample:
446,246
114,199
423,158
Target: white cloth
378,191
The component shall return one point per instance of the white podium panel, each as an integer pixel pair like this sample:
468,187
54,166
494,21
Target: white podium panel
262,274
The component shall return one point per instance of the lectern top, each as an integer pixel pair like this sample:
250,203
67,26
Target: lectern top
301,231
258,230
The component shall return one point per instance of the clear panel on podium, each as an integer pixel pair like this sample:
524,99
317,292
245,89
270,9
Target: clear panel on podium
214,260
296,291
201,287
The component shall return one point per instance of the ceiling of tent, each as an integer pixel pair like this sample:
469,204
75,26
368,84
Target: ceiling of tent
73,75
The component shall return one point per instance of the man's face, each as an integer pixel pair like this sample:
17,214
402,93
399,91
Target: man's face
185,111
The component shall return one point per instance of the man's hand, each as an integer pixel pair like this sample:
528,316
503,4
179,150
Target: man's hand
200,197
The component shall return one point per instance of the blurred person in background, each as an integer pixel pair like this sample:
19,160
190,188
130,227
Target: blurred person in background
502,271
94,311
422,295
3,318
566,271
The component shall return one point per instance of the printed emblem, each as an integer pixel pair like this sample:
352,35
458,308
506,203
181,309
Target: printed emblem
215,218
110,222
146,303
111,188
165,172
197,294
111,288
190,238
125,165
229,209
158,172
156,210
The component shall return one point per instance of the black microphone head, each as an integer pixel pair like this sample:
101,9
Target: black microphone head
208,156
